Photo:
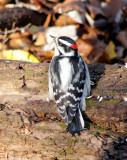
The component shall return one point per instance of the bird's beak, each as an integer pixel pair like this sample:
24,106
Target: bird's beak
53,37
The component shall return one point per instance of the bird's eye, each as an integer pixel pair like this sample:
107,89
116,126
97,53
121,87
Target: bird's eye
60,44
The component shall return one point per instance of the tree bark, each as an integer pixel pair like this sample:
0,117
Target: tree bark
26,85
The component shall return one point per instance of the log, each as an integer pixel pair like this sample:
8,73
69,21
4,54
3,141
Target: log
25,85
31,128
20,17
20,138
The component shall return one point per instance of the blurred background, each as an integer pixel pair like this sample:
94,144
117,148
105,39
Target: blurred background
99,28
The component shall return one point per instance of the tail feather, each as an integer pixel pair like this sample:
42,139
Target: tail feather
77,124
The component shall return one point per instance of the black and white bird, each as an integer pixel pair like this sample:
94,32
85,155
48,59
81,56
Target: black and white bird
69,83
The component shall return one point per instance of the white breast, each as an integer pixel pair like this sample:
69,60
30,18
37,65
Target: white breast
66,72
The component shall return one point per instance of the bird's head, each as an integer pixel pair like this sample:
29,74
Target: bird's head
65,46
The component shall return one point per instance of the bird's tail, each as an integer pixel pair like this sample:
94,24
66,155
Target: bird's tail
77,124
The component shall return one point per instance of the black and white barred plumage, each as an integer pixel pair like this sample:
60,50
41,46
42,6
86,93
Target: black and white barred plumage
69,83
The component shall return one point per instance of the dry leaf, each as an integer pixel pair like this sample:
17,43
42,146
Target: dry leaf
95,2
68,5
122,38
40,39
110,50
108,54
22,43
110,9
96,53
3,2
76,16
84,46
92,33
47,55
119,50
64,20
19,55
18,35
94,11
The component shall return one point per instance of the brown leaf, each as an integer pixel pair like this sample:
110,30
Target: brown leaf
47,54
40,39
93,33
110,50
110,9
84,46
23,43
64,20
18,35
68,5
95,2
94,11
3,2
122,38
108,54
96,53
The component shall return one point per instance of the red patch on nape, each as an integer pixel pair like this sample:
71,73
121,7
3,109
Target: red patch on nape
74,46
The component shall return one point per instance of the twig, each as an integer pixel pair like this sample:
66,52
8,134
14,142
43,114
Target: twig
6,32
19,29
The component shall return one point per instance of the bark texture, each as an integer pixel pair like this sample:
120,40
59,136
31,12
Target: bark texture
27,83
31,128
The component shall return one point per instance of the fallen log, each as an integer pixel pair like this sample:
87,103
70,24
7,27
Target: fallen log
20,16
26,85
20,138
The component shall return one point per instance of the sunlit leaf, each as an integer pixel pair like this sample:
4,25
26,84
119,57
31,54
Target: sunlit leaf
110,50
19,55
